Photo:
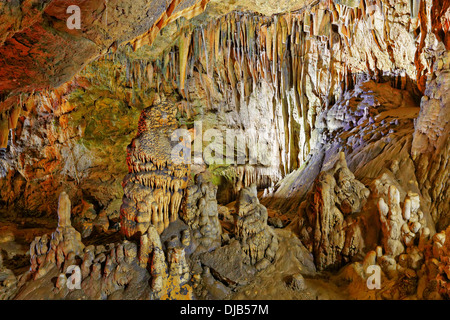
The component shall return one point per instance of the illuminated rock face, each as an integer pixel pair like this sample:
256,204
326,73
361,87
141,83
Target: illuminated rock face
155,184
431,145
339,76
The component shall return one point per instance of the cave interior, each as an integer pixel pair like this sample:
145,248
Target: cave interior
224,149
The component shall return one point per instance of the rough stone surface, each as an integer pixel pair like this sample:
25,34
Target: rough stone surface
324,100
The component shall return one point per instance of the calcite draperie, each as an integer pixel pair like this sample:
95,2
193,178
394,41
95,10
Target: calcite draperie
156,181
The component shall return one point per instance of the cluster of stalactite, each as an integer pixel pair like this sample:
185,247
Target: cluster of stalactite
155,184
244,48
18,107
308,59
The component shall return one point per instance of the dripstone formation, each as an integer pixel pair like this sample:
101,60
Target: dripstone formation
201,214
156,181
61,248
120,270
319,162
258,241
329,227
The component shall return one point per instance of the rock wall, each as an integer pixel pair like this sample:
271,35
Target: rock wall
275,76
268,79
38,29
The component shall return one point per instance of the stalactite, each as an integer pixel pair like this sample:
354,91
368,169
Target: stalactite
184,43
304,57
4,130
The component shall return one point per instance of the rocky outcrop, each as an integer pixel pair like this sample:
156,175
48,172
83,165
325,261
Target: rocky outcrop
330,227
156,181
258,241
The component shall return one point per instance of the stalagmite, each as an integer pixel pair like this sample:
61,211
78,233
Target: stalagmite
258,240
201,214
46,252
330,226
155,184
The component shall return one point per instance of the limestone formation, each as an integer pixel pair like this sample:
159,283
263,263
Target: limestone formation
61,248
156,181
86,219
121,270
201,214
258,240
400,226
435,268
334,114
65,249
431,146
329,227
153,254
